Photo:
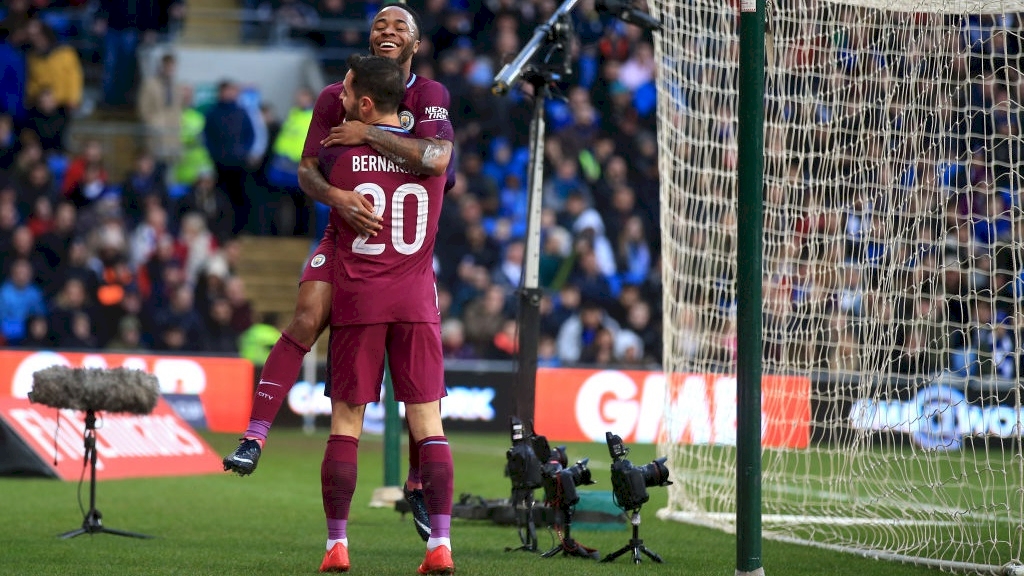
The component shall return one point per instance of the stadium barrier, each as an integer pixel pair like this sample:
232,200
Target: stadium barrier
581,404
933,412
36,440
196,392
480,399
209,392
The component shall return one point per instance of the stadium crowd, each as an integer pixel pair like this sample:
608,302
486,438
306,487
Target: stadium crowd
149,261
893,225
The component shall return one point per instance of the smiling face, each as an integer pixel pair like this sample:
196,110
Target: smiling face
394,34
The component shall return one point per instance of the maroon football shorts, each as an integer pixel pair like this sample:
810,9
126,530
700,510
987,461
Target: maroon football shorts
414,355
320,266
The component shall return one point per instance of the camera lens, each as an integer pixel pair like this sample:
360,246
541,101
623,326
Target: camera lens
580,473
655,473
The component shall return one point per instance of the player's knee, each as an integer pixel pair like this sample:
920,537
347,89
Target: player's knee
305,326
424,420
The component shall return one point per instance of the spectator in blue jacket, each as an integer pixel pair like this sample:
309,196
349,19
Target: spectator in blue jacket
12,76
230,135
20,298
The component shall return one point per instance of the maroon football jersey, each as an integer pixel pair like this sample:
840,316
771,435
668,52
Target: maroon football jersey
388,277
424,112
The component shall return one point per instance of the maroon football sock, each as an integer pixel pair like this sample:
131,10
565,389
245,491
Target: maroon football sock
438,482
338,481
276,380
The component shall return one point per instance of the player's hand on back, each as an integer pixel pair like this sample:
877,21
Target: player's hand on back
357,211
348,133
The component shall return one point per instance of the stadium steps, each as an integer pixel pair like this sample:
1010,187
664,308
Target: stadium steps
212,22
271,266
120,133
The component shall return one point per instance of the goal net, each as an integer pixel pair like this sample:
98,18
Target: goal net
892,258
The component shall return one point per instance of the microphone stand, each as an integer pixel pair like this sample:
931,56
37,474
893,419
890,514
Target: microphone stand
91,524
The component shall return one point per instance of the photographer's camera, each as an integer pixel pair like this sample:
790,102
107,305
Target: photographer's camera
523,466
560,479
630,483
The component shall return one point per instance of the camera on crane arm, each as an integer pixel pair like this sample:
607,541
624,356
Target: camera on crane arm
630,483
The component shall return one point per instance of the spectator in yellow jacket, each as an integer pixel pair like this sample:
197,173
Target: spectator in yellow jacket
53,87
54,66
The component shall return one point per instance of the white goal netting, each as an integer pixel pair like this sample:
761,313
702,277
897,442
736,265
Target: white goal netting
892,285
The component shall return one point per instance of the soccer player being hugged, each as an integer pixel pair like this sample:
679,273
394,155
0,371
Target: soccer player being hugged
395,34
384,307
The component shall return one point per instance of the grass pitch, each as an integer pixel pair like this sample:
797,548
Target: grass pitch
272,523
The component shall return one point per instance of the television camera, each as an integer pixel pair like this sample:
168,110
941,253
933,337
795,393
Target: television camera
533,463
629,490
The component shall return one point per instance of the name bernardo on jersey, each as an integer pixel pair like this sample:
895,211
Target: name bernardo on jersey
374,163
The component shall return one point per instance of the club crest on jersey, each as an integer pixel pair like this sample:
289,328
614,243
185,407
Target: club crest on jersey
318,261
406,119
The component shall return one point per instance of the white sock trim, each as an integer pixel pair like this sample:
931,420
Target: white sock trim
435,542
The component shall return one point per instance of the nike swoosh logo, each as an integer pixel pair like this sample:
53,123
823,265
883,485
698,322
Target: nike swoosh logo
262,382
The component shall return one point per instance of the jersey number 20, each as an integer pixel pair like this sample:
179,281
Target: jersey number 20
362,244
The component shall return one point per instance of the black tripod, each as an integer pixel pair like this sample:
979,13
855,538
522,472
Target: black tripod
568,546
91,523
522,499
635,544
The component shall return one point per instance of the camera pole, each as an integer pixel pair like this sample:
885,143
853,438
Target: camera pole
530,292
550,39
636,545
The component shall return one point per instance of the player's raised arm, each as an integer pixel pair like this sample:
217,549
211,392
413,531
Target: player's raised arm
428,156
